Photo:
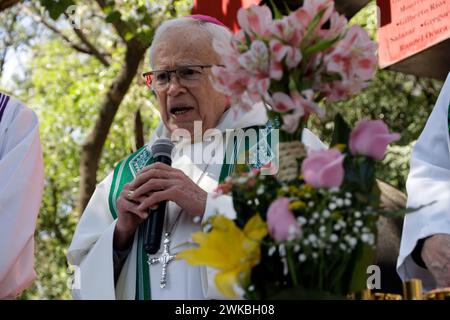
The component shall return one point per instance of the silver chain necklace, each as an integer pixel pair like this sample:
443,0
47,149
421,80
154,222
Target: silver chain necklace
165,258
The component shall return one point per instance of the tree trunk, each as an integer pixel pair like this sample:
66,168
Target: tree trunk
5,4
93,144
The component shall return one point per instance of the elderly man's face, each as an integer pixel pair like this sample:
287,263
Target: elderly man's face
181,105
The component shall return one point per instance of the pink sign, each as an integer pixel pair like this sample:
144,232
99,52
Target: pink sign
410,26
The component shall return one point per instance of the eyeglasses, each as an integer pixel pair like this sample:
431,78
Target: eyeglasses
188,76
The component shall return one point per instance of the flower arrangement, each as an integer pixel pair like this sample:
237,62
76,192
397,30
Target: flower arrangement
308,231
293,62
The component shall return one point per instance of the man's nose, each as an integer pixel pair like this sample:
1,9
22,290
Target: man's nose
174,87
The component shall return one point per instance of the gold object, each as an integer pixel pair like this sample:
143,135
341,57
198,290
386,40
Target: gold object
412,290
386,296
365,294
438,294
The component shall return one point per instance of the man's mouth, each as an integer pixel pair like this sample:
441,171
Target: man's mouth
180,109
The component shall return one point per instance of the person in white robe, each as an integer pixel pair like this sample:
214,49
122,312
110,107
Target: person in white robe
425,245
21,187
107,247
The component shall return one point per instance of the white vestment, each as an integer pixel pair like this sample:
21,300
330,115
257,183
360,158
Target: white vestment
21,186
428,181
92,249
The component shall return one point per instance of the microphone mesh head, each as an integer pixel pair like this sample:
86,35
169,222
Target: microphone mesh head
162,147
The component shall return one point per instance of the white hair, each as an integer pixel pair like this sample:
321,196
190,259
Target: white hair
217,33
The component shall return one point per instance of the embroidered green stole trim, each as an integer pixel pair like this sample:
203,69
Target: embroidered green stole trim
124,173
257,155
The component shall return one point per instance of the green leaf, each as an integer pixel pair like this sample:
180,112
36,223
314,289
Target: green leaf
341,131
363,257
113,16
401,213
312,26
276,11
56,8
128,35
319,46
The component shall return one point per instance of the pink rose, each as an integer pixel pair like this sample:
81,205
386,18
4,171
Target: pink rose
281,221
370,138
324,169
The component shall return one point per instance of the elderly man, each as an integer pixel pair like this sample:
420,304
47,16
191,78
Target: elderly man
21,185
107,248
425,246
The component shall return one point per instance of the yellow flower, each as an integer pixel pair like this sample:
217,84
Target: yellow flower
297,205
230,250
340,146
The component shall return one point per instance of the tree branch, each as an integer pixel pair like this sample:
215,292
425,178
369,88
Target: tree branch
119,25
80,48
5,4
94,142
92,49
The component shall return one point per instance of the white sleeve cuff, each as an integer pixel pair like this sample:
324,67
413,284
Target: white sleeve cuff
222,204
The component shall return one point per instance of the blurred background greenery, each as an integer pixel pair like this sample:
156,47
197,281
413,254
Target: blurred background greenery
94,108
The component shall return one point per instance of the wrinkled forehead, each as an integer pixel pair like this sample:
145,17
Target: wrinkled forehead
184,46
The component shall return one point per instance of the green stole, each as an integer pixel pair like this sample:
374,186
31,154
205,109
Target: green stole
126,170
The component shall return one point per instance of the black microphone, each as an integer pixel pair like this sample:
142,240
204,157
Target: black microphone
153,225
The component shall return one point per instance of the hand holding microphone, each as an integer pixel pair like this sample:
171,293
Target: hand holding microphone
158,183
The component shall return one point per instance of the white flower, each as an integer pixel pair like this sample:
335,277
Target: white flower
312,238
302,257
282,250
315,255
322,229
310,204
339,202
337,227
365,237
242,180
251,288
316,215
342,246
301,220
326,213
271,251
351,241
348,202
348,195
305,242
358,223
357,214
249,202
333,237
260,190
256,201
292,232
334,190
297,248
307,195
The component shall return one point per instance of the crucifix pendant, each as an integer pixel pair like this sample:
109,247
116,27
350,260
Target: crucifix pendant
165,258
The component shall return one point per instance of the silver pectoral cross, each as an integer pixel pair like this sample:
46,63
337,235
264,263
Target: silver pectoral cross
165,258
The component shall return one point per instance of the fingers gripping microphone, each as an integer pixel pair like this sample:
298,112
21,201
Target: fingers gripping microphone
153,225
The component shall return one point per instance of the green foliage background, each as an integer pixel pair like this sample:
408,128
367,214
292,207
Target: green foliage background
66,87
